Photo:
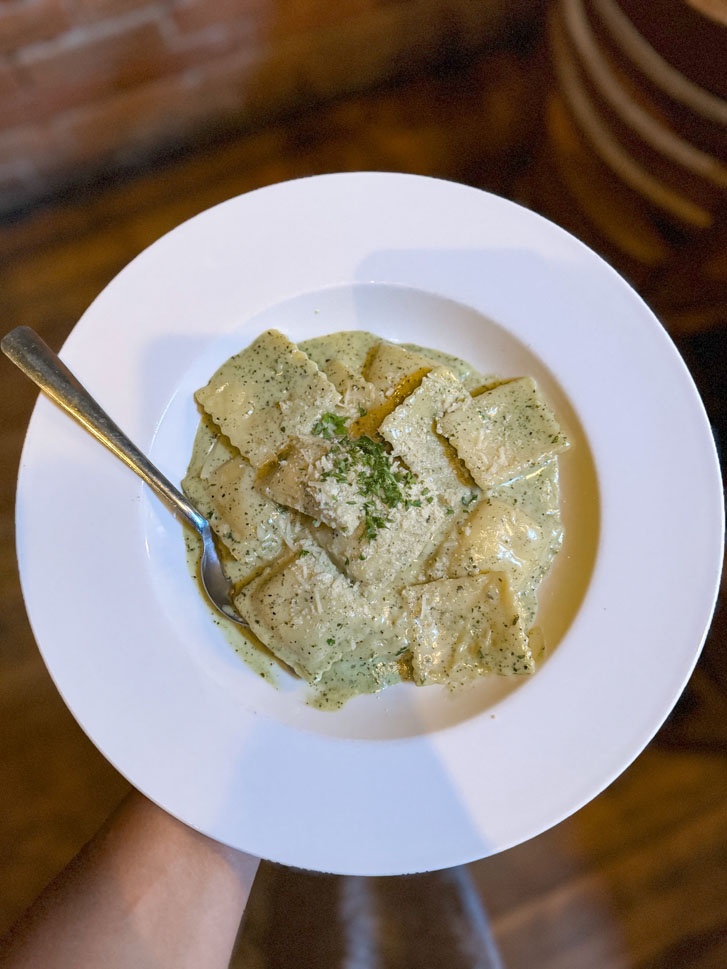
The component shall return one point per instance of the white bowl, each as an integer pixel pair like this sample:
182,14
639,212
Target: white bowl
410,779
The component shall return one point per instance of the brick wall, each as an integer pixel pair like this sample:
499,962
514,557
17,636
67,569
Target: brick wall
94,85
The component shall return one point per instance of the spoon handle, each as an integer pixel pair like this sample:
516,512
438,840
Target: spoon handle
36,359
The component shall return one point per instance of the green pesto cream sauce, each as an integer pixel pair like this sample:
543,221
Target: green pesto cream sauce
359,673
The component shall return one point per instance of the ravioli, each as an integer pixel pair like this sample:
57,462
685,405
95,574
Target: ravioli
219,485
411,431
497,536
349,348
393,373
384,519
284,479
397,545
357,394
266,394
494,536
305,611
389,366
503,432
466,627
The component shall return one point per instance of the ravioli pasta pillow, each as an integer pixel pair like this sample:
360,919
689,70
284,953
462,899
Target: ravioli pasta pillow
386,512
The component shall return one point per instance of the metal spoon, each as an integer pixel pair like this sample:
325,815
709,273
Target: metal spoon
35,358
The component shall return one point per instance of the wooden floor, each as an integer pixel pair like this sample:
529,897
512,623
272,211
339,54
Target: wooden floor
635,880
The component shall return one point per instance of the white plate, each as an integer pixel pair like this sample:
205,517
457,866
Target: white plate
412,779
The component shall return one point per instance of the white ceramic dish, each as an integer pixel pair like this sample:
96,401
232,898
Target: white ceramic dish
412,779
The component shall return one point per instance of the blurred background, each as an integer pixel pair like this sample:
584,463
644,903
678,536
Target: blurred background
121,118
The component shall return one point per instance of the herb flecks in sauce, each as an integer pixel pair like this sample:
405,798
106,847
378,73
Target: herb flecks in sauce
329,425
395,524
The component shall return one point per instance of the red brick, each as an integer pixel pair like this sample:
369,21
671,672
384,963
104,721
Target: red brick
24,22
172,108
23,140
280,19
300,16
18,104
56,78
113,90
200,32
22,150
90,10
192,16
97,67
129,121
9,83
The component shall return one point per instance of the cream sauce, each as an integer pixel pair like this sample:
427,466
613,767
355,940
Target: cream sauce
375,663
250,650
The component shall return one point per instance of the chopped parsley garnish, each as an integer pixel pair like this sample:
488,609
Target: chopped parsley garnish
330,424
467,500
330,641
303,551
372,521
369,466
370,463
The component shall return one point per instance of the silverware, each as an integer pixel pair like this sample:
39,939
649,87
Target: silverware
35,358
